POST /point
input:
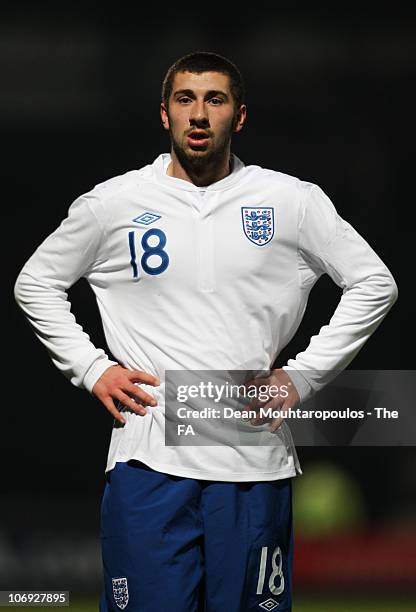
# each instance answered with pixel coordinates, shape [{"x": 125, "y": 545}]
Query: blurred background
[{"x": 330, "y": 100}]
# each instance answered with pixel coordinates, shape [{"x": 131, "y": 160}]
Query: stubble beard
[{"x": 197, "y": 162}]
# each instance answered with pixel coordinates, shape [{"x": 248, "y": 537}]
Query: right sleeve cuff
[
  {"x": 96, "y": 370},
  {"x": 302, "y": 386}
]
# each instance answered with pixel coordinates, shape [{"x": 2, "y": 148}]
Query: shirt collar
[{"x": 162, "y": 162}]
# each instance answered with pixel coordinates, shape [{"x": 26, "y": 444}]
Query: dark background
[{"x": 330, "y": 100}]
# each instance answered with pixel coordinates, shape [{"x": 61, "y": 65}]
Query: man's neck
[{"x": 200, "y": 179}]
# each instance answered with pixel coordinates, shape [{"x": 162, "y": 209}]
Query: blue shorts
[{"x": 176, "y": 544}]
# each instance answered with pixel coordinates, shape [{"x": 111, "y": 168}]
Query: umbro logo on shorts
[{"x": 269, "y": 604}]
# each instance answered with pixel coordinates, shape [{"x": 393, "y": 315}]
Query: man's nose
[{"x": 198, "y": 115}]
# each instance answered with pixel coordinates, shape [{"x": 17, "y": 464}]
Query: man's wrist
[{"x": 301, "y": 385}]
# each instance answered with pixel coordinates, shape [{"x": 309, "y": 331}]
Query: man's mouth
[{"x": 198, "y": 138}]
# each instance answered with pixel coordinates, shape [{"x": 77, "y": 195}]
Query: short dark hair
[{"x": 205, "y": 61}]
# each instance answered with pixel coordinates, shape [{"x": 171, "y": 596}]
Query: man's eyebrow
[{"x": 209, "y": 94}]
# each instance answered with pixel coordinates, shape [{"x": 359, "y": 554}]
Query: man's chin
[
  {"x": 196, "y": 149},
  {"x": 196, "y": 157}
]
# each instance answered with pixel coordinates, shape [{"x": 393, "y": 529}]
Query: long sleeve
[
  {"x": 40, "y": 291},
  {"x": 328, "y": 244}
]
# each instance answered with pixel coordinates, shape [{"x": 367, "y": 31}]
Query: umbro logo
[
  {"x": 269, "y": 604},
  {"x": 146, "y": 218}
]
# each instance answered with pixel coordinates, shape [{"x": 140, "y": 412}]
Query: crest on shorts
[
  {"x": 120, "y": 592},
  {"x": 258, "y": 223}
]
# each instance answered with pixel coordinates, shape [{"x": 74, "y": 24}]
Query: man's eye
[
  {"x": 184, "y": 100},
  {"x": 216, "y": 101}
]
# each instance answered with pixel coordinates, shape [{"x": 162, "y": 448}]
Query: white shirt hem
[{"x": 206, "y": 475}]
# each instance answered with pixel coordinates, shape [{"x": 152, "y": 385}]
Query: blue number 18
[{"x": 149, "y": 250}]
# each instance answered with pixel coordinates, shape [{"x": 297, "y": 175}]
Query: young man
[{"x": 199, "y": 262}]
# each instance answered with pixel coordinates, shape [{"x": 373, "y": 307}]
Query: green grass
[
  {"x": 300, "y": 605},
  {"x": 364, "y": 605}
]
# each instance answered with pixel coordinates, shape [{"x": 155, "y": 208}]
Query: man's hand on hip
[
  {"x": 281, "y": 395},
  {"x": 117, "y": 383}
]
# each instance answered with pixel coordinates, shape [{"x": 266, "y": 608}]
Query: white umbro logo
[{"x": 269, "y": 604}]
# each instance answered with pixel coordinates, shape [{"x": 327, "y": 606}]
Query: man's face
[{"x": 201, "y": 117}]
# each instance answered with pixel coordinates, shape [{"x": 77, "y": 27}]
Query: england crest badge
[
  {"x": 258, "y": 223},
  {"x": 120, "y": 592}
]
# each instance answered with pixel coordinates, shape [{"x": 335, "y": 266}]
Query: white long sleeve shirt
[{"x": 213, "y": 278}]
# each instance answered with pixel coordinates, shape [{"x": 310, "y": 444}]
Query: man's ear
[
  {"x": 240, "y": 118},
  {"x": 164, "y": 116}
]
